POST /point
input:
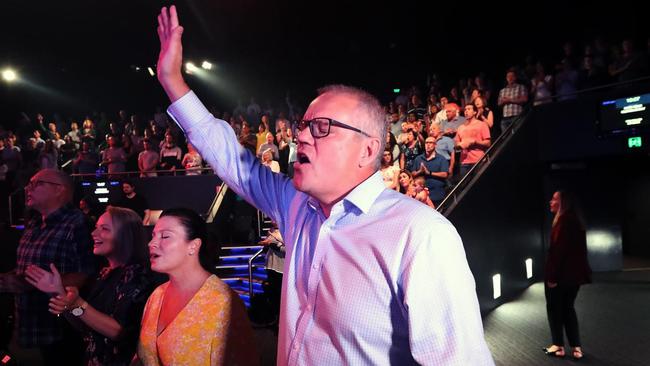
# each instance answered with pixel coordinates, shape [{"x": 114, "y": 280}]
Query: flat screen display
[{"x": 625, "y": 115}]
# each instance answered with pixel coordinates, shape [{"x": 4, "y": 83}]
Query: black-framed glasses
[
  {"x": 320, "y": 127},
  {"x": 37, "y": 183}
]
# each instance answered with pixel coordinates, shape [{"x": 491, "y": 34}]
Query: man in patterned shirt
[
  {"x": 512, "y": 99},
  {"x": 57, "y": 234}
]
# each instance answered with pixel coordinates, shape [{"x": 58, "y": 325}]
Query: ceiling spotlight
[
  {"x": 206, "y": 65},
  {"x": 9, "y": 75},
  {"x": 151, "y": 71}
]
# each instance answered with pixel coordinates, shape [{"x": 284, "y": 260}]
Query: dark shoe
[{"x": 557, "y": 353}]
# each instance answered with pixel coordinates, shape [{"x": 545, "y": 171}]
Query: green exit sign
[
  {"x": 633, "y": 142},
  {"x": 396, "y": 90}
]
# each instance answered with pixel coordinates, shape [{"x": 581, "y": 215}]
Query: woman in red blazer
[{"x": 566, "y": 269}]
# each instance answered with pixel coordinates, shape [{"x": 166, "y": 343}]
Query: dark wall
[
  {"x": 195, "y": 192},
  {"x": 500, "y": 220},
  {"x": 611, "y": 180}
]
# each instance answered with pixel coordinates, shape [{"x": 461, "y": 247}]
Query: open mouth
[
  {"x": 98, "y": 243},
  {"x": 303, "y": 159},
  {"x": 153, "y": 256}
]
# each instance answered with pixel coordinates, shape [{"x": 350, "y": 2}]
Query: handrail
[
  {"x": 250, "y": 270},
  {"x": 492, "y": 151},
  {"x": 216, "y": 203},
  {"x": 134, "y": 172},
  {"x": 595, "y": 88},
  {"x": 64, "y": 165}
]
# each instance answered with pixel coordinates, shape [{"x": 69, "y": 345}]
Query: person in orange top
[{"x": 194, "y": 318}]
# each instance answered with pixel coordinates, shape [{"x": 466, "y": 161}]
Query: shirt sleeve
[
  {"x": 440, "y": 302},
  {"x": 216, "y": 142}
]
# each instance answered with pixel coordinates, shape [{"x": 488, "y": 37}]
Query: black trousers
[{"x": 562, "y": 313}]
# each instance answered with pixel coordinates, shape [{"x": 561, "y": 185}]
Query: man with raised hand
[{"x": 371, "y": 277}]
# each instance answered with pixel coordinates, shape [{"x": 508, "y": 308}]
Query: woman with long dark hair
[
  {"x": 109, "y": 316},
  {"x": 566, "y": 270}
]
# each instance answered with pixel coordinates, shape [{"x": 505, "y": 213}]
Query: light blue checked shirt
[{"x": 382, "y": 281}]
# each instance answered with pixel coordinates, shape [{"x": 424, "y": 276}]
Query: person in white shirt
[{"x": 371, "y": 277}]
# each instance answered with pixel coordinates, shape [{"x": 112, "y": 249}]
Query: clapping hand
[
  {"x": 65, "y": 301},
  {"x": 48, "y": 282},
  {"x": 423, "y": 168}
]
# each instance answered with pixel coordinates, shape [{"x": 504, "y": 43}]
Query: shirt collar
[{"x": 362, "y": 196}]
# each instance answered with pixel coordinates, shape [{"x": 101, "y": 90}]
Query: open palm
[
  {"x": 170, "y": 59},
  {"x": 48, "y": 282}
]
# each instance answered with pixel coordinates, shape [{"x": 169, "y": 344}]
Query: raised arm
[
  {"x": 213, "y": 138},
  {"x": 170, "y": 60}
]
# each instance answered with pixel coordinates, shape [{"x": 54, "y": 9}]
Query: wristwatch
[{"x": 79, "y": 310}]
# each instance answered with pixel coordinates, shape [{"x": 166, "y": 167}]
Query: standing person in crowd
[
  {"x": 110, "y": 314},
  {"x": 56, "y": 235},
  {"x": 453, "y": 120},
  {"x": 86, "y": 160},
  {"x": 269, "y": 144},
  {"x": 283, "y": 139},
  {"x": 435, "y": 170},
  {"x": 88, "y": 132},
  {"x": 444, "y": 146},
  {"x": 48, "y": 157},
  {"x": 566, "y": 269},
  {"x": 75, "y": 134},
  {"x": 389, "y": 171},
  {"x": 364, "y": 264},
  {"x": 170, "y": 154},
  {"x": 148, "y": 160},
  {"x": 192, "y": 161},
  {"x": 483, "y": 112},
  {"x": 511, "y": 99},
  {"x": 274, "y": 266},
  {"x": 194, "y": 318},
  {"x": 114, "y": 157},
  {"x": 247, "y": 139},
  {"x": 410, "y": 150},
  {"x": 12, "y": 158},
  {"x": 473, "y": 137},
  {"x": 260, "y": 135},
  {"x": 292, "y": 156}
]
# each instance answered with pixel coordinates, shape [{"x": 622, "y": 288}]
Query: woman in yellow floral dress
[{"x": 194, "y": 318}]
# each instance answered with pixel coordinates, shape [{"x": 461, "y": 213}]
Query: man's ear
[{"x": 370, "y": 150}]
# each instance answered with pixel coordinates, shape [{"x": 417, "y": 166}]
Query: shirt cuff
[{"x": 186, "y": 110}]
